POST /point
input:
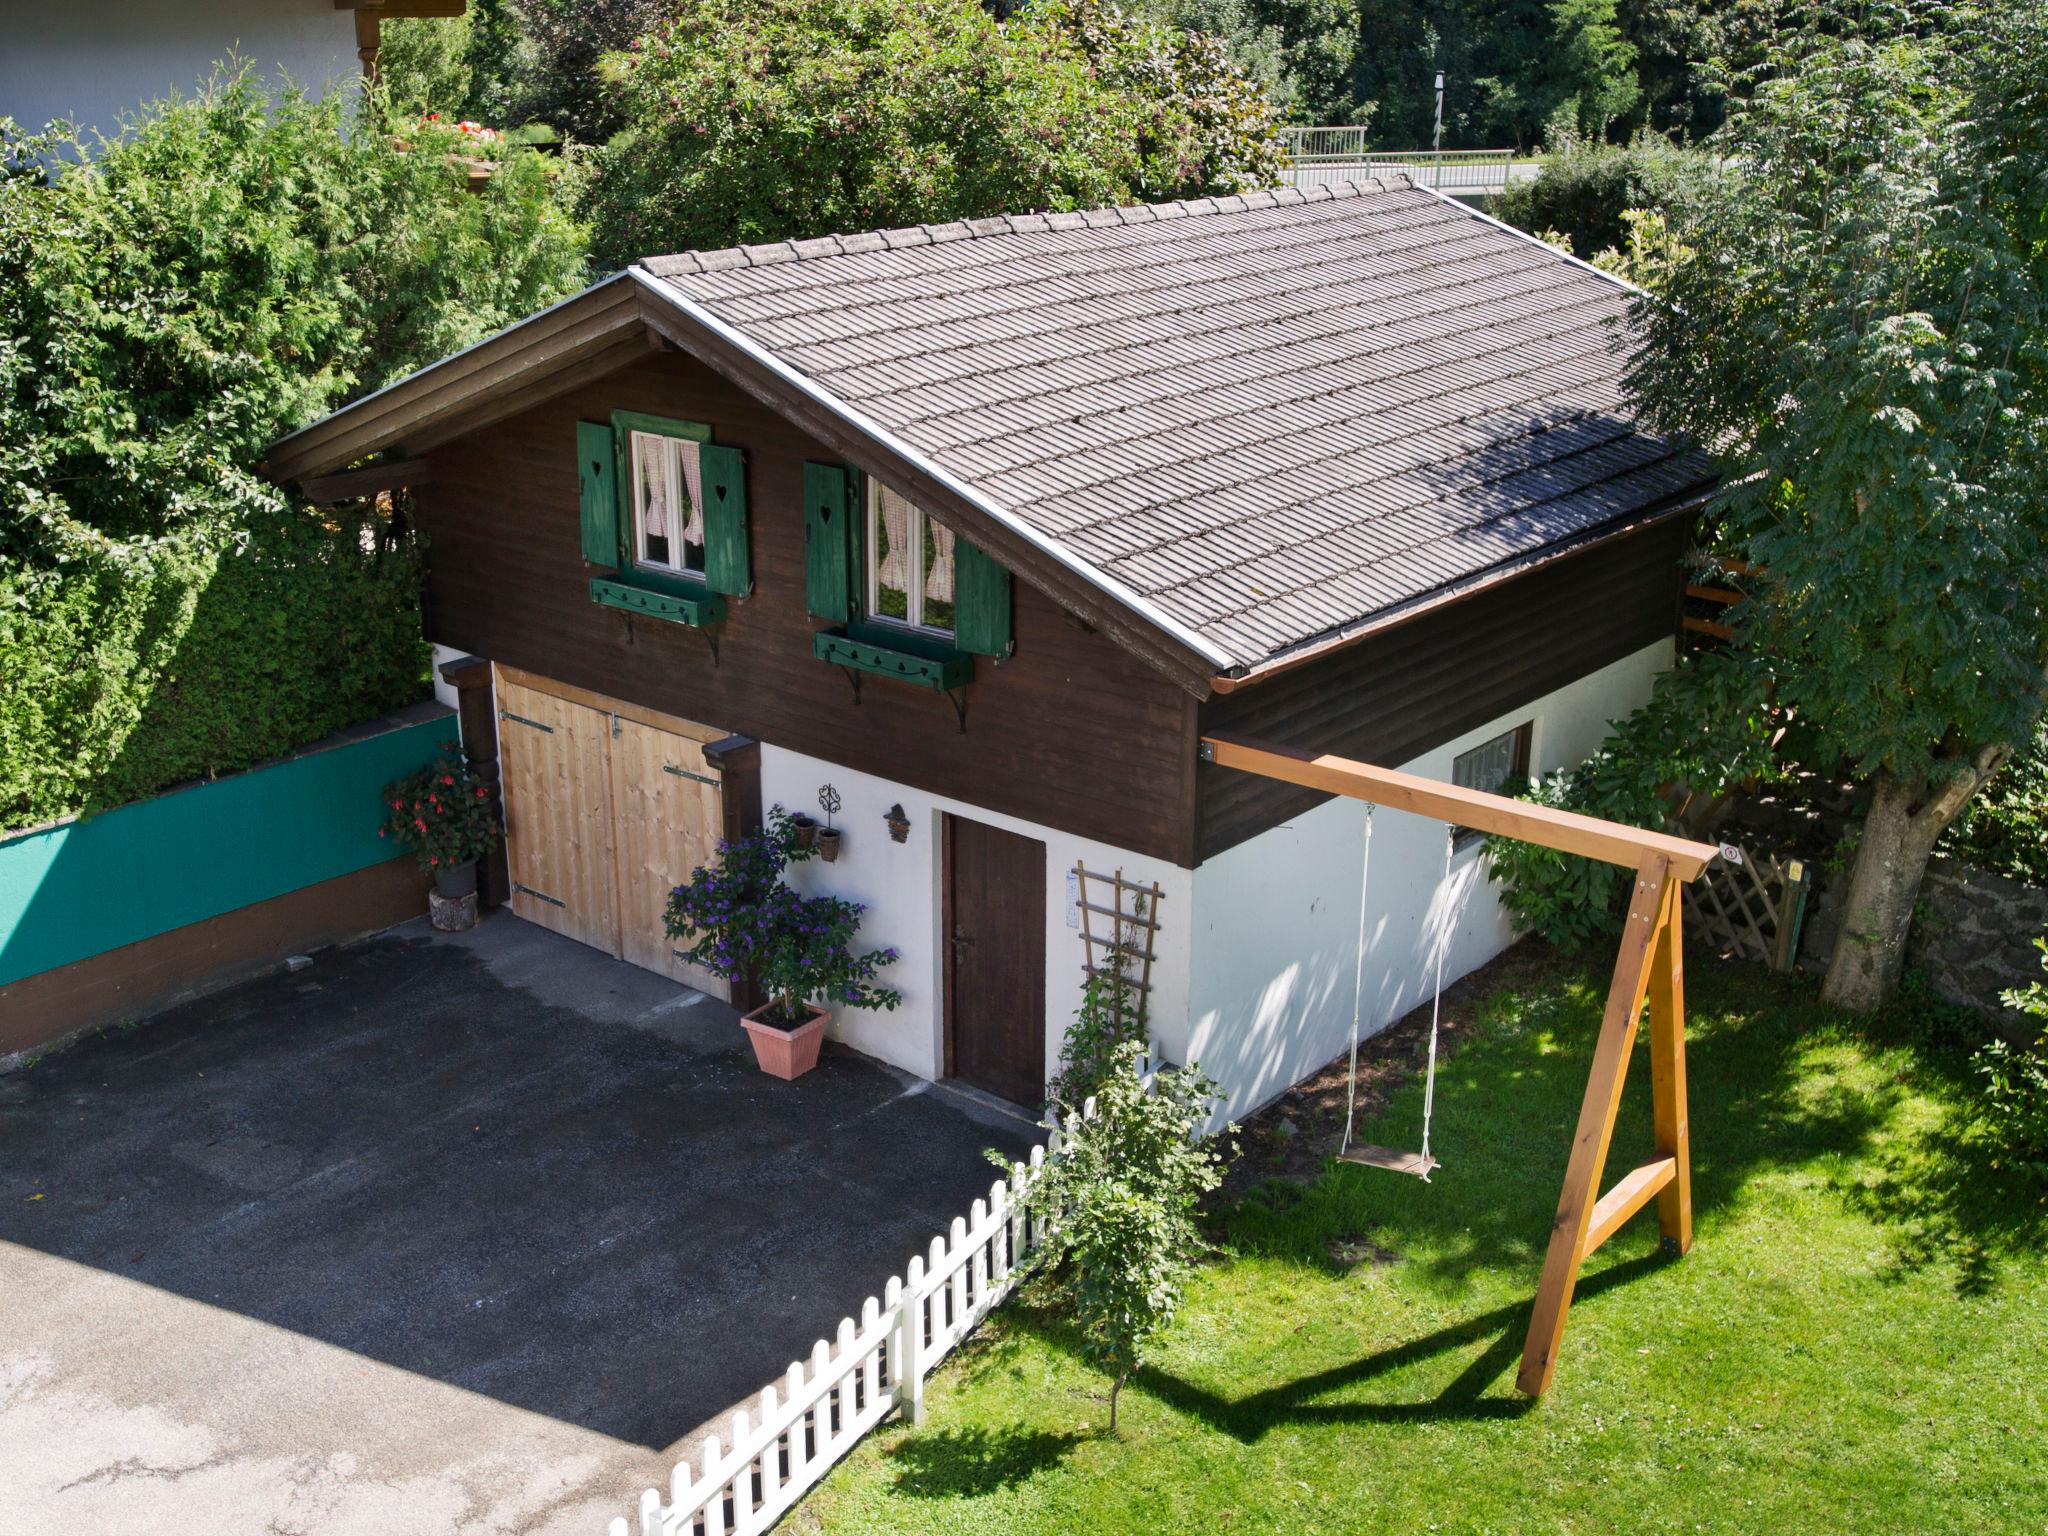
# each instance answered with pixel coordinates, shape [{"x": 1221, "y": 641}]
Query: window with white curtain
[{"x": 909, "y": 564}]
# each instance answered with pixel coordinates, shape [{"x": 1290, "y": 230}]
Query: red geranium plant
[{"x": 444, "y": 813}]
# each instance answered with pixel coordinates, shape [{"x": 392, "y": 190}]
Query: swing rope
[
  {"x": 1425, "y": 1162},
  {"x": 1436, "y": 1007},
  {"x": 1358, "y": 981}
]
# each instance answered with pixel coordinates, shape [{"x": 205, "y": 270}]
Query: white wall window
[
  {"x": 909, "y": 564},
  {"x": 668, "y": 493},
  {"x": 1492, "y": 766}
]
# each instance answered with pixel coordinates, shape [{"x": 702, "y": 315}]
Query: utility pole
[{"x": 1436, "y": 141}]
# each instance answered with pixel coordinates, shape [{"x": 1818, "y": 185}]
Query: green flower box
[
  {"x": 905, "y": 658},
  {"x": 695, "y": 608}
]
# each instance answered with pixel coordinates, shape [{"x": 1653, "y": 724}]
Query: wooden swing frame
[{"x": 1649, "y": 968}]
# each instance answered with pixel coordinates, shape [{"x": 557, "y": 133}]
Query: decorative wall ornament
[
  {"x": 828, "y": 835},
  {"x": 898, "y": 823}
]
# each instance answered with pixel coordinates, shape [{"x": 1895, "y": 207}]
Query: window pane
[
  {"x": 652, "y": 497},
  {"x": 938, "y": 575},
  {"x": 889, "y": 542},
  {"x": 689, "y": 484},
  {"x": 1488, "y": 766}
]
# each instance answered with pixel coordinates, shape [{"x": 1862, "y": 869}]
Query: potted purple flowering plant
[{"x": 741, "y": 920}]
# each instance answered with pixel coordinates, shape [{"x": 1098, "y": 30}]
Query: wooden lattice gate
[{"x": 1750, "y": 906}]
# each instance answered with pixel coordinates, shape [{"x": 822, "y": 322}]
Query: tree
[
  {"x": 1856, "y": 332},
  {"x": 1587, "y": 191},
  {"x": 1120, "y": 1201},
  {"x": 753, "y": 120},
  {"x": 229, "y": 267},
  {"x": 1593, "y": 63}
]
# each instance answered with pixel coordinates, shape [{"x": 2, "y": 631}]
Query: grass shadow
[
  {"x": 1506, "y": 1108},
  {"x": 1463, "y": 1399},
  {"x": 970, "y": 1462}
]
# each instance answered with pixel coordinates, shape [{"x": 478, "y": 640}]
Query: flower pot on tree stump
[
  {"x": 785, "y": 1053},
  {"x": 452, "y": 914}
]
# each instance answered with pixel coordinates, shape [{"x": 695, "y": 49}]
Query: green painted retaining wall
[{"x": 81, "y": 888}]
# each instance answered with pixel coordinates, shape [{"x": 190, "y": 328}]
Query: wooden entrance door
[
  {"x": 608, "y": 808},
  {"x": 558, "y": 818},
  {"x": 995, "y": 960},
  {"x": 666, "y": 815}
]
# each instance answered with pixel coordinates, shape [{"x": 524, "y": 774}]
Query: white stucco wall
[
  {"x": 902, "y": 884},
  {"x": 96, "y": 60},
  {"x": 1276, "y": 918}
]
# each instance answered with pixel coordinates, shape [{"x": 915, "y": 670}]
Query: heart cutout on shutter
[
  {"x": 718, "y": 486},
  {"x": 824, "y": 513}
]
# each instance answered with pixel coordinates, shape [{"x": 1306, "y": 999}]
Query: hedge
[{"x": 203, "y": 653}]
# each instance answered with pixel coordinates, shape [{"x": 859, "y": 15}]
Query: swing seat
[{"x": 1420, "y": 1164}]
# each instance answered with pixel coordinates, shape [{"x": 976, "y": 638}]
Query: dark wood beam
[{"x": 371, "y": 480}]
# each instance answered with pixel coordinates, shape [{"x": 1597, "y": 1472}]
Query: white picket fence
[{"x": 821, "y": 1408}]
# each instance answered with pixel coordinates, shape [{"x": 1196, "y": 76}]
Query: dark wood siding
[
  {"x": 1071, "y": 731},
  {"x": 1397, "y": 694}
]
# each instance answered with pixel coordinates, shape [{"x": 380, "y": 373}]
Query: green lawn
[{"x": 1858, "y": 1341}]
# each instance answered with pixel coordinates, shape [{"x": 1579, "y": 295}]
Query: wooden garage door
[
  {"x": 605, "y": 813},
  {"x": 666, "y": 819},
  {"x": 552, "y": 756}
]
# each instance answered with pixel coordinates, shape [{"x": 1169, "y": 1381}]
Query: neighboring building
[
  {"x": 1346, "y": 468},
  {"x": 96, "y": 61}
]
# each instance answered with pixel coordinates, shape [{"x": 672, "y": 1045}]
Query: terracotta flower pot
[
  {"x": 828, "y": 844},
  {"x": 806, "y": 831},
  {"x": 785, "y": 1053}
]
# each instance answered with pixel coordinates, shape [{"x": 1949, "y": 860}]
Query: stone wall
[{"x": 1973, "y": 936}]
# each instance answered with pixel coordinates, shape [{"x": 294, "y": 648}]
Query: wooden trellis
[
  {"x": 1133, "y": 923},
  {"x": 1750, "y": 906}
]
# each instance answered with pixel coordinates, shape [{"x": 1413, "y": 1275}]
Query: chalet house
[{"x": 983, "y": 525}]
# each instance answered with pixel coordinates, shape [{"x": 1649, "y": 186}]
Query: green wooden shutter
[
  {"x": 726, "y": 567},
  {"x": 981, "y": 602},
  {"x": 598, "y": 493},
  {"x": 829, "y": 547}
]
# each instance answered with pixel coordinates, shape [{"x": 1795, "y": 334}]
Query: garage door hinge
[
  {"x": 684, "y": 773},
  {"x": 527, "y": 890},
  {"x": 506, "y": 714}
]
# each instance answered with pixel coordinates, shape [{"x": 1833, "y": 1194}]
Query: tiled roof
[{"x": 1270, "y": 415}]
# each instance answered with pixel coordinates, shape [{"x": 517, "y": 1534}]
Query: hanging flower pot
[
  {"x": 828, "y": 844},
  {"x": 804, "y": 829}
]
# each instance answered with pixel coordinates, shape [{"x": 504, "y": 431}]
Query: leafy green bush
[
  {"x": 2015, "y": 1080},
  {"x": 127, "y": 667},
  {"x": 1120, "y": 1202},
  {"x": 757, "y": 120},
  {"x": 1586, "y": 189},
  {"x": 1706, "y": 730},
  {"x": 1112, "y": 1012},
  {"x": 2005, "y": 827},
  {"x": 224, "y": 270}
]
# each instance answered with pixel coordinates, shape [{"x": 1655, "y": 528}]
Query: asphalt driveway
[{"x": 437, "y": 1235}]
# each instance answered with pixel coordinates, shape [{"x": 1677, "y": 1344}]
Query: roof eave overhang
[
  {"x": 1683, "y": 504},
  {"x": 580, "y": 337}
]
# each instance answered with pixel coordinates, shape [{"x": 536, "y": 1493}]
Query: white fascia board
[
  {"x": 1523, "y": 234},
  {"x": 1129, "y": 598}
]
